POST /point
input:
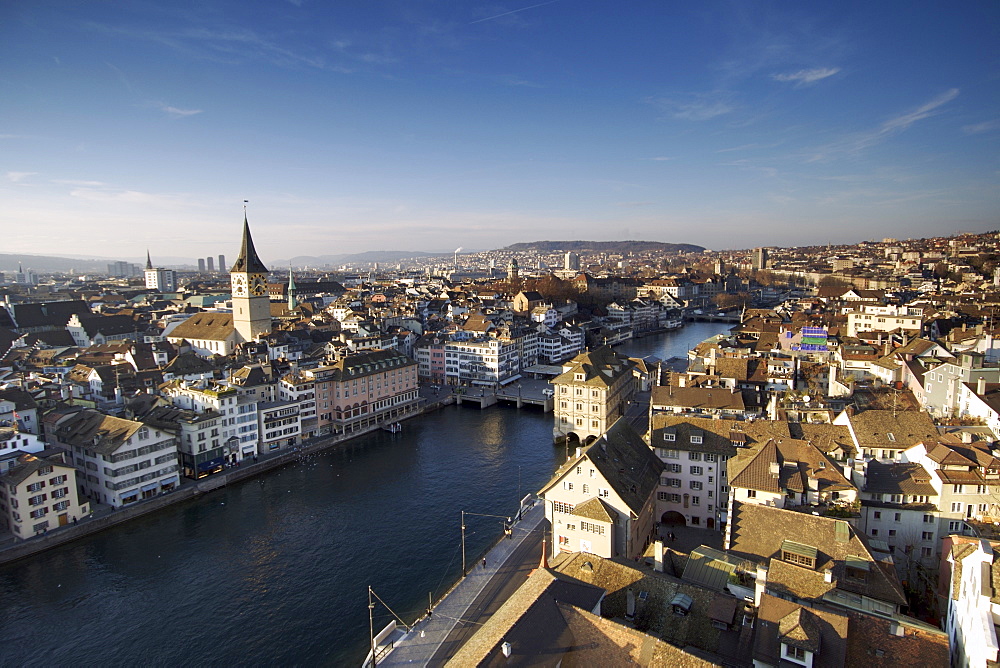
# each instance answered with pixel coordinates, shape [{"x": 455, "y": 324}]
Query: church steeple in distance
[
  {"x": 248, "y": 261},
  {"x": 292, "y": 302},
  {"x": 149, "y": 261}
]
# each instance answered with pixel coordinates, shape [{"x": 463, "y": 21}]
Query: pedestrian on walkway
[{"x": 484, "y": 562}]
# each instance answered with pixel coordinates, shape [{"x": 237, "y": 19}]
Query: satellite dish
[{"x": 806, "y": 397}]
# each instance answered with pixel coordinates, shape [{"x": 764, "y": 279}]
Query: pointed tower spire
[
  {"x": 248, "y": 261},
  {"x": 292, "y": 303},
  {"x": 149, "y": 261}
]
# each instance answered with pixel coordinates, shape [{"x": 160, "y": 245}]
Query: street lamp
[{"x": 502, "y": 517}]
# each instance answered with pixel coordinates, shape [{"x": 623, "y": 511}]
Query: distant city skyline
[{"x": 428, "y": 126}]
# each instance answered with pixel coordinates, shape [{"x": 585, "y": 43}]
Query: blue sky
[{"x": 408, "y": 125}]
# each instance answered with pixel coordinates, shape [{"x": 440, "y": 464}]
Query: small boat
[{"x": 393, "y": 428}]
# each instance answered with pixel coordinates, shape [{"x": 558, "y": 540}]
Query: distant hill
[
  {"x": 43, "y": 264},
  {"x": 604, "y": 247}
]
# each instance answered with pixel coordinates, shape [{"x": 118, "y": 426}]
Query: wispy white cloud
[
  {"x": 518, "y": 81},
  {"x": 76, "y": 182},
  {"x": 695, "y": 106},
  {"x": 111, "y": 195},
  {"x": 229, "y": 45},
  {"x": 662, "y": 158},
  {"x": 513, "y": 11},
  {"x": 889, "y": 128},
  {"x": 18, "y": 177},
  {"x": 803, "y": 77},
  {"x": 986, "y": 126},
  {"x": 904, "y": 121},
  {"x": 175, "y": 112},
  {"x": 747, "y": 147}
]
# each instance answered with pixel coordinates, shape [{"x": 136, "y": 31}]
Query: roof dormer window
[{"x": 798, "y": 553}]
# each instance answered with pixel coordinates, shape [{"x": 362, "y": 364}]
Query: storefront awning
[
  {"x": 211, "y": 464},
  {"x": 150, "y": 487}
]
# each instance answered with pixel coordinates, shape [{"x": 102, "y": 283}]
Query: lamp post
[
  {"x": 502, "y": 517},
  {"x": 371, "y": 625}
]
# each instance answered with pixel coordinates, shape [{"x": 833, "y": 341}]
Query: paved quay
[{"x": 423, "y": 644}]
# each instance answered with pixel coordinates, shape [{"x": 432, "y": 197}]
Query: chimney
[
  {"x": 966, "y": 437},
  {"x": 506, "y": 648},
  {"x": 658, "y": 556},
  {"x": 544, "y": 563},
  {"x": 981, "y": 386}
]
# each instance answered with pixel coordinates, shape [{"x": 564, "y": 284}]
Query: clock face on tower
[
  {"x": 239, "y": 285},
  {"x": 258, "y": 286}
]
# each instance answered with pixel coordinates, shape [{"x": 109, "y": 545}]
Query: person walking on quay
[{"x": 484, "y": 562}]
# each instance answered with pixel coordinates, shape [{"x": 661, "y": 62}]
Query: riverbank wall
[{"x": 191, "y": 489}]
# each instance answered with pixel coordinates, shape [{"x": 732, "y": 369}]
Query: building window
[
  {"x": 928, "y": 518},
  {"x": 926, "y": 552},
  {"x": 695, "y": 484},
  {"x": 927, "y": 535},
  {"x": 560, "y": 507},
  {"x": 696, "y": 470},
  {"x": 669, "y": 436},
  {"x": 694, "y": 456},
  {"x": 695, "y": 500},
  {"x": 751, "y": 494},
  {"x": 671, "y": 454},
  {"x": 795, "y": 653},
  {"x": 675, "y": 468},
  {"x": 800, "y": 559},
  {"x": 709, "y": 457},
  {"x": 696, "y": 439},
  {"x": 877, "y": 514}
]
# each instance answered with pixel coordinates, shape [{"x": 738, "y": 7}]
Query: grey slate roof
[
  {"x": 99, "y": 433},
  {"x": 248, "y": 261}
]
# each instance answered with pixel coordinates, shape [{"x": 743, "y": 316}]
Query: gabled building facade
[{"x": 602, "y": 500}]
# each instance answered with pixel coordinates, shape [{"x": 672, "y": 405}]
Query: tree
[{"x": 726, "y": 301}]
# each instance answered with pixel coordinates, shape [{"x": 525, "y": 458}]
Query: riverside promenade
[{"x": 433, "y": 639}]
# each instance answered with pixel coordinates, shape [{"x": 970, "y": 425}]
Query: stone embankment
[{"x": 107, "y": 518}]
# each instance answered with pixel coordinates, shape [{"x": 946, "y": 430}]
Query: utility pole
[{"x": 463, "y": 543}]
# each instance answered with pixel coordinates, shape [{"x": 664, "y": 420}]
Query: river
[{"x": 275, "y": 570}]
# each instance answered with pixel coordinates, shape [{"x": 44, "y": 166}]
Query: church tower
[
  {"x": 513, "y": 273},
  {"x": 248, "y": 279},
  {"x": 292, "y": 302}
]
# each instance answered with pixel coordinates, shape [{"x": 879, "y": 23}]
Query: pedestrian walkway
[{"x": 418, "y": 646}]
